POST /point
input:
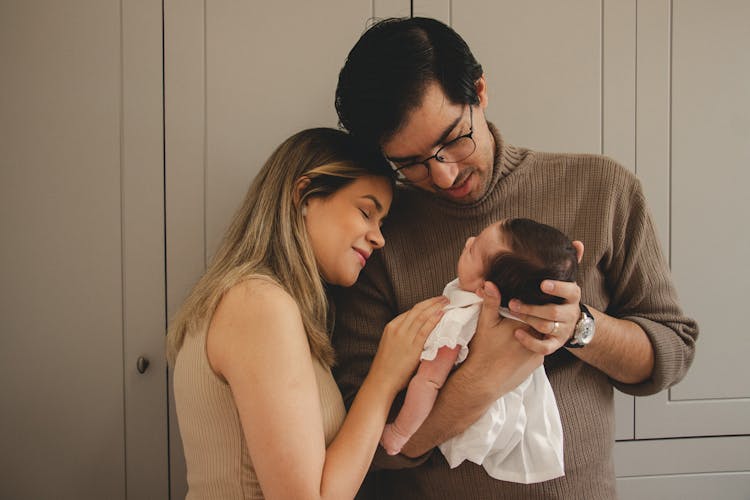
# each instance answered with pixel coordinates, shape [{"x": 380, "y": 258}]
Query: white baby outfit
[{"x": 519, "y": 438}]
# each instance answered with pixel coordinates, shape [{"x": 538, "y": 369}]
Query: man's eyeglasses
[{"x": 454, "y": 151}]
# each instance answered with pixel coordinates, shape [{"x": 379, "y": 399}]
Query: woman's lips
[{"x": 363, "y": 256}]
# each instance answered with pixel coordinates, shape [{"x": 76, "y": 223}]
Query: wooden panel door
[
  {"x": 81, "y": 212},
  {"x": 703, "y": 110}
]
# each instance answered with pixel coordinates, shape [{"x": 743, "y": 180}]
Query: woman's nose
[{"x": 376, "y": 238}]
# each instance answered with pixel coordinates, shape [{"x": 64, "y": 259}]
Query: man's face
[{"x": 436, "y": 122}]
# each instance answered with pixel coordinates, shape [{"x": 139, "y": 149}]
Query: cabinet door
[
  {"x": 82, "y": 260},
  {"x": 696, "y": 153},
  {"x": 546, "y": 65},
  {"x": 240, "y": 78}
]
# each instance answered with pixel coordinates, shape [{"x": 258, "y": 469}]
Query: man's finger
[
  {"x": 568, "y": 290},
  {"x": 544, "y": 346}
]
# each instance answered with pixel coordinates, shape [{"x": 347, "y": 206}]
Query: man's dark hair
[
  {"x": 387, "y": 71},
  {"x": 538, "y": 252}
]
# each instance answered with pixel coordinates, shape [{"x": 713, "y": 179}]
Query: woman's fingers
[
  {"x": 429, "y": 320},
  {"x": 403, "y": 340},
  {"x": 422, "y": 313}
]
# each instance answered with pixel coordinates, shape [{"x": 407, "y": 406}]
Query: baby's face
[{"x": 477, "y": 255}]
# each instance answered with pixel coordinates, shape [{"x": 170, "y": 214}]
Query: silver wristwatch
[{"x": 584, "y": 330}]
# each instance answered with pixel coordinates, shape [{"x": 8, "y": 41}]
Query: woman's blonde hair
[{"x": 267, "y": 235}]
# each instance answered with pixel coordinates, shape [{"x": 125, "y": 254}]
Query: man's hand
[
  {"x": 555, "y": 322},
  {"x": 495, "y": 349}
]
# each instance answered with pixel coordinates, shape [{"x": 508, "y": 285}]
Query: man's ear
[
  {"x": 299, "y": 188},
  {"x": 481, "y": 86},
  {"x": 578, "y": 245}
]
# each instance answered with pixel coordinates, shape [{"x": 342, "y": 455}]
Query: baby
[{"x": 519, "y": 438}]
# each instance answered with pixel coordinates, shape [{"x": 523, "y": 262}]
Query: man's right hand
[{"x": 497, "y": 361}]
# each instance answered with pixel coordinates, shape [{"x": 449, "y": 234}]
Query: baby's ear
[{"x": 578, "y": 245}]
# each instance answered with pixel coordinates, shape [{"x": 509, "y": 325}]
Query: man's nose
[{"x": 443, "y": 174}]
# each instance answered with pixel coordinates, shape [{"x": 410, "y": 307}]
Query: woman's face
[
  {"x": 344, "y": 227},
  {"x": 477, "y": 255}
]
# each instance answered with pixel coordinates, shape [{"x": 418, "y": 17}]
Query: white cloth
[{"x": 519, "y": 438}]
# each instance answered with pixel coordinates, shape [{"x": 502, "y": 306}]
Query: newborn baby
[{"x": 519, "y": 438}]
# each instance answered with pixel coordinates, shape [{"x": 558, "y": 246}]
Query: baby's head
[{"x": 517, "y": 255}]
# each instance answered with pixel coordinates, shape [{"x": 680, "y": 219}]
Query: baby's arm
[{"x": 420, "y": 397}]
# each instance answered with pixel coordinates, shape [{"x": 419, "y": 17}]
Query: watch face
[{"x": 584, "y": 330}]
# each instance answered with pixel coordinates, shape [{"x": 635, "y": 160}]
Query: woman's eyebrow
[{"x": 378, "y": 205}]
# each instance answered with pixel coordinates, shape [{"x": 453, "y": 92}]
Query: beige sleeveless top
[{"x": 218, "y": 462}]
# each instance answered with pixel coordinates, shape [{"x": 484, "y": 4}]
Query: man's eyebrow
[
  {"x": 378, "y": 205},
  {"x": 437, "y": 143}
]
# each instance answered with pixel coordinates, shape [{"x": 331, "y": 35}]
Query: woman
[{"x": 259, "y": 412}]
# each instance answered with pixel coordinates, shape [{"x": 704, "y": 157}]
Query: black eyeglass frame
[{"x": 470, "y": 135}]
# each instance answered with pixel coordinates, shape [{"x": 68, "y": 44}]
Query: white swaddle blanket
[{"x": 519, "y": 438}]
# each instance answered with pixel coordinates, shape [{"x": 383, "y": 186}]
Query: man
[{"x": 412, "y": 88}]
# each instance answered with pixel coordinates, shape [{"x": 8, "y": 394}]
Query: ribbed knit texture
[
  {"x": 218, "y": 461},
  {"x": 589, "y": 198}
]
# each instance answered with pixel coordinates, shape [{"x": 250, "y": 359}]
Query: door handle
[{"x": 142, "y": 364}]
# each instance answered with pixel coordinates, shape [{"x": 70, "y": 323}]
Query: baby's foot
[{"x": 392, "y": 440}]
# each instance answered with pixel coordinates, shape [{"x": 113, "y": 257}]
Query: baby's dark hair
[{"x": 538, "y": 252}]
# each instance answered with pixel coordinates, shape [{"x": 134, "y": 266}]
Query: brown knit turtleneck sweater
[{"x": 588, "y": 197}]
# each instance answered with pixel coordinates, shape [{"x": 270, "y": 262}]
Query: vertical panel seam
[
  {"x": 122, "y": 249},
  {"x": 635, "y": 98},
  {"x": 635, "y": 163},
  {"x": 670, "y": 40},
  {"x": 205, "y": 134},
  {"x": 164, "y": 209},
  {"x": 669, "y": 127},
  {"x": 601, "y": 78}
]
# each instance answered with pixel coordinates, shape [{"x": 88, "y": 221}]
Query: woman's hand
[{"x": 402, "y": 342}]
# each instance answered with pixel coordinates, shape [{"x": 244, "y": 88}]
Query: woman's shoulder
[
  {"x": 254, "y": 301},
  {"x": 253, "y": 316},
  {"x": 258, "y": 288}
]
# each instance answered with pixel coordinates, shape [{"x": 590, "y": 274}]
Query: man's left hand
[{"x": 555, "y": 322}]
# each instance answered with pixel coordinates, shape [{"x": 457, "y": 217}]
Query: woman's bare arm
[{"x": 257, "y": 343}]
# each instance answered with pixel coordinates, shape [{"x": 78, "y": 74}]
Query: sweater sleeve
[
  {"x": 642, "y": 292},
  {"x": 362, "y": 313}
]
